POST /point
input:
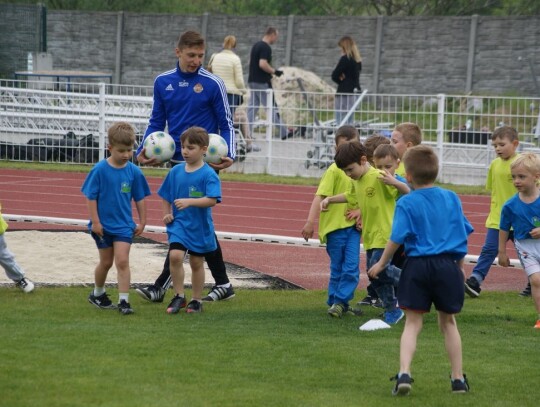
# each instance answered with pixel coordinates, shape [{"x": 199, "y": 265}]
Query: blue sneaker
[{"x": 394, "y": 316}]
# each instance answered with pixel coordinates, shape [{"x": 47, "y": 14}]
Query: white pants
[{"x": 528, "y": 251}]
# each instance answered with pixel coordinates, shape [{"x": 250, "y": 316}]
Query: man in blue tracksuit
[{"x": 189, "y": 96}]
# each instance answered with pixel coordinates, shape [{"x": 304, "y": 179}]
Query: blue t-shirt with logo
[
  {"x": 522, "y": 217},
  {"x": 193, "y": 227},
  {"x": 114, "y": 189}
]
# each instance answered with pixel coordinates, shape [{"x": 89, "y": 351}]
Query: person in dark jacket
[{"x": 347, "y": 76}]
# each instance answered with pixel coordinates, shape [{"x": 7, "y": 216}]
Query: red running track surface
[{"x": 249, "y": 208}]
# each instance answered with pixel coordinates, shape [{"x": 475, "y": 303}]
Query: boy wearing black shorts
[{"x": 431, "y": 225}]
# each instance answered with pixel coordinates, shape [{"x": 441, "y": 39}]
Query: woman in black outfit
[{"x": 347, "y": 76}]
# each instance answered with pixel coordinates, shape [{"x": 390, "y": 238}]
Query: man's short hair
[
  {"x": 421, "y": 164},
  {"x": 190, "y": 39}
]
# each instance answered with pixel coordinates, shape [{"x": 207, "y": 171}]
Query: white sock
[
  {"x": 123, "y": 296},
  {"x": 99, "y": 291},
  {"x": 225, "y": 285}
]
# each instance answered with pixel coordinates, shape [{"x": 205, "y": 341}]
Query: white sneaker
[{"x": 26, "y": 285}]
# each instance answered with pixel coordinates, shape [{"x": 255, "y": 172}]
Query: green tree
[{"x": 303, "y": 7}]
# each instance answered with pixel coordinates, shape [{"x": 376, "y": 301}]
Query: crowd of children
[{"x": 381, "y": 192}]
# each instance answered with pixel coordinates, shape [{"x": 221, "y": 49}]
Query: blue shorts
[
  {"x": 430, "y": 280},
  {"x": 107, "y": 240},
  {"x": 180, "y": 246}
]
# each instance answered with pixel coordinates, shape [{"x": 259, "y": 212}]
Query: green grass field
[{"x": 263, "y": 348}]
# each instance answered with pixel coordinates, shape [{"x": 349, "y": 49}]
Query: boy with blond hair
[
  {"x": 430, "y": 223},
  {"x": 376, "y": 201},
  {"x": 337, "y": 228},
  {"x": 405, "y": 136},
  {"x": 522, "y": 213}
]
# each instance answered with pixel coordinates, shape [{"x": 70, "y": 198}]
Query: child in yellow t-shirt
[
  {"x": 7, "y": 261},
  {"x": 337, "y": 228},
  {"x": 377, "y": 201},
  {"x": 404, "y": 136},
  {"x": 499, "y": 181}
]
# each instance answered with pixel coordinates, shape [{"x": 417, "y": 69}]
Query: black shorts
[
  {"x": 430, "y": 280},
  {"x": 180, "y": 246}
]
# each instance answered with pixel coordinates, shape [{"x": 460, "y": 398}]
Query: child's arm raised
[{"x": 389, "y": 179}]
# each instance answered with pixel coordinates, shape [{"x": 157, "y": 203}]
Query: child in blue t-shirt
[
  {"x": 431, "y": 225},
  {"x": 522, "y": 213},
  {"x": 109, "y": 189},
  {"x": 188, "y": 192}
]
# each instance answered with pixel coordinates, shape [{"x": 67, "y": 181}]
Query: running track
[{"x": 246, "y": 208}]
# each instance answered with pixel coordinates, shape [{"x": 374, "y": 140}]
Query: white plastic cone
[{"x": 373, "y": 325}]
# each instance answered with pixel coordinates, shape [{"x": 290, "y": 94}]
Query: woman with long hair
[{"x": 347, "y": 76}]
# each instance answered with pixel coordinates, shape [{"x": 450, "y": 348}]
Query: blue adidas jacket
[{"x": 183, "y": 100}]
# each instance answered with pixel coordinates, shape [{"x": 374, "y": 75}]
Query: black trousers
[{"x": 215, "y": 264}]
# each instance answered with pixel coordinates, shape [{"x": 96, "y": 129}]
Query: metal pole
[{"x": 101, "y": 125}]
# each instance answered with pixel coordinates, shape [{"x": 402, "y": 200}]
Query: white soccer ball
[
  {"x": 159, "y": 145},
  {"x": 217, "y": 148}
]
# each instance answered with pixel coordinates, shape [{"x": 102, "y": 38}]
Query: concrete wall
[{"x": 423, "y": 55}]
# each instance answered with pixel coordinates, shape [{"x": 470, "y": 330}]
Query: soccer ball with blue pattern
[
  {"x": 159, "y": 145},
  {"x": 217, "y": 148}
]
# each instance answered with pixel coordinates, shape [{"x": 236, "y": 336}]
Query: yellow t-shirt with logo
[
  {"x": 499, "y": 182},
  {"x": 3, "y": 223},
  {"x": 377, "y": 202},
  {"x": 334, "y": 182}
]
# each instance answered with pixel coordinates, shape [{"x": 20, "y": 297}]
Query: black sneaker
[
  {"x": 460, "y": 386},
  {"x": 102, "y": 301},
  {"x": 526, "y": 291},
  {"x": 376, "y": 303},
  {"x": 176, "y": 304},
  {"x": 125, "y": 308},
  {"x": 403, "y": 384},
  {"x": 151, "y": 293},
  {"x": 219, "y": 293},
  {"x": 194, "y": 306},
  {"x": 367, "y": 300},
  {"x": 472, "y": 287}
]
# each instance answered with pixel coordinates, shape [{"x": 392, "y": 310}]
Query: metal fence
[{"x": 60, "y": 122}]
